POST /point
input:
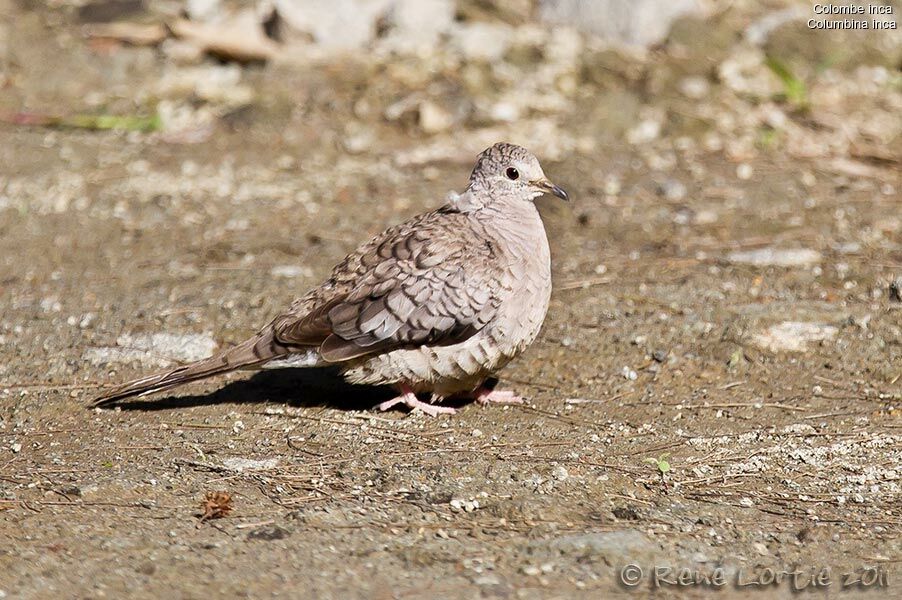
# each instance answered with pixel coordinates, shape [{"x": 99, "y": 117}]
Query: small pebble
[
  {"x": 744, "y": 171},
  {"x": 672, "y": 190}
]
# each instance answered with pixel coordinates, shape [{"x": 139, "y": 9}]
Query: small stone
[
  {"x": 612, "y": 185},
  {"x": 672, "y": 190},
  {"x": 487, "y": 579},
  {"x": 694, "y": 87},
  {"x": 629, "y": 374},
  {"x": 357, "y": 139},
  {"x": 241, "y": 465},
  {"x": 778, "y": 257},
  {"x": 434, "y": 118},
  {"x": 291, "y": 271},
  {"x": 712, "y": 142},
  {"x": 744, "y": 171},
  {"x": 760, "y": 548},
  {"x": 269, "y": 534},
  {"x": 746, "y": 502},
  {"x": 50, "y": 305},
  {"x": 203, "y": 10},
  {"x": 505, "y": 112},
  {"x": 895, "y": 290},
  {"x": 560, "y": 473},
  {"x": 646, "y": 131},
  {"x": 15, "y": 447}
]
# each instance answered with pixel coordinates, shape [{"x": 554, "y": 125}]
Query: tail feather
[{"x": 256, "y": 351}]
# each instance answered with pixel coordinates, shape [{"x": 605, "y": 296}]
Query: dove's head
[{"x": 509, "y": 171}]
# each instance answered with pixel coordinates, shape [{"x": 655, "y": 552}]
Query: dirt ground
[{"x": 717, "y": 384}]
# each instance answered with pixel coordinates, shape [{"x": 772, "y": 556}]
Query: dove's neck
[
  {"x": 511, "y": 211},
  {"x": 513, "y": 220},
  {"x": 516, "y": 225}
]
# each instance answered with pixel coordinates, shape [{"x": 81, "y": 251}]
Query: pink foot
[
  {"x": 409, "y": 399},
  {"x": 487, "y": 396}
]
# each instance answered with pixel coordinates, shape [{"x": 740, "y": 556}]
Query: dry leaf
[
  {"x": 216, "y": 505},
  {"x": 134, "y": 34},
  {"x": 239, "y": 37}
]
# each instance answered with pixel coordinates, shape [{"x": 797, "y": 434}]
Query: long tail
[{"x": 256, "y": 351}]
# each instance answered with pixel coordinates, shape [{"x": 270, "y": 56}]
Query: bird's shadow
[{"x": 302, "y": 387}]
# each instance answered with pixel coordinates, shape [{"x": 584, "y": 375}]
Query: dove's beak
[{"x": 547, "y": 186}]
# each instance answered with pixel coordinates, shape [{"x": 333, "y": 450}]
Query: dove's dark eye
[{"x": 512, "y": 174}]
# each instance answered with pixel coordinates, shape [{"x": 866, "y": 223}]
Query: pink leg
[
  {"x": 484, "y": 395},
  {"x": 409, "y": 399}
]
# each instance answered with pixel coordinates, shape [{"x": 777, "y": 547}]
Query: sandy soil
[{"x": 726, "y": 309}]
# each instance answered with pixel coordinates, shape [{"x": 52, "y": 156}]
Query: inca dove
[{"x": 435, "y": 304}]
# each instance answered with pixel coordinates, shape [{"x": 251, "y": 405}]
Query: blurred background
[
  {"x": 728, "y": 284},
  {"x": 413, "y": 82}
]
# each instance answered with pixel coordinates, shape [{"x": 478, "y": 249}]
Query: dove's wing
[{"x": 428, "y": 281}]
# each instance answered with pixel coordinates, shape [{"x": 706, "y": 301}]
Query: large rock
[
  {"x": 339, "y": 25},
  {"x": 636, "y": 23},
  {"x": 415, "y": 25},
  {"x": 334, "y": 24},
  {"x": 794, "y": 336},
  {"x": 776, "y": 257},
  {"x": 614, "y": 547}
]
